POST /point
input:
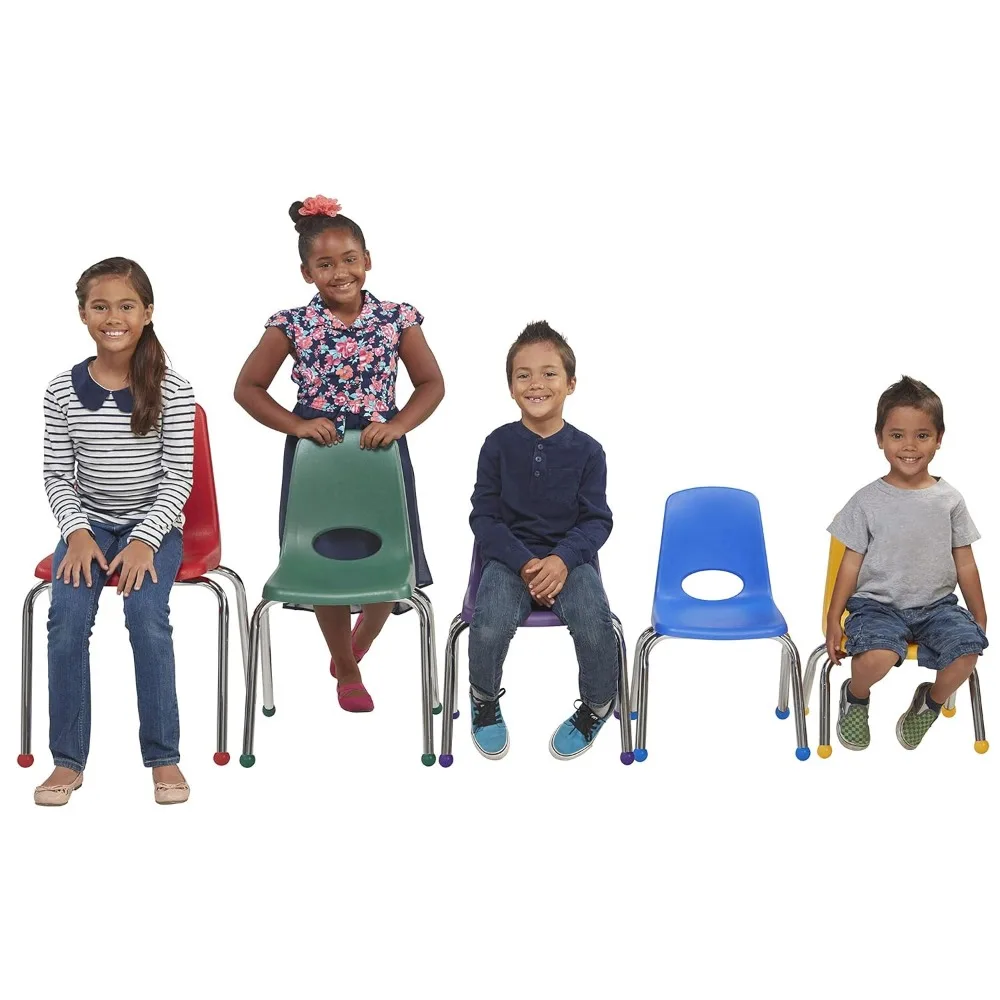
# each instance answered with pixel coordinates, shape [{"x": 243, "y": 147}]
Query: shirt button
[
  {"x": 537, "y": 473},
  {"x": 538, "y": 458},
  {"x": 540, "y": 447}
]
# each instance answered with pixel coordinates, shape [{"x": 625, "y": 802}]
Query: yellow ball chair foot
[
  {"x": 807, "y": 710},
  {"x": 981, "y": 746},
  {"x": 824, "y": 751},
  {"x": 949, "y": 713}
]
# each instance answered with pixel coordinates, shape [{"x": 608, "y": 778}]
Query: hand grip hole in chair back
[{"x": 712, "y": 585}]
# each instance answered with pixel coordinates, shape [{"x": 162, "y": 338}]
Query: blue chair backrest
[{"x": 711, "y": 528}]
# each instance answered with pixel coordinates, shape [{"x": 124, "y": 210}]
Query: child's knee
[{"x": 874, "y": 662}]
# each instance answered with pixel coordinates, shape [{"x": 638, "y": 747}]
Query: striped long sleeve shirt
[{"x": 96, "y": 468}]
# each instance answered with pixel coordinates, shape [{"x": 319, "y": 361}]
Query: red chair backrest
[{"x": 202, "y": 534}]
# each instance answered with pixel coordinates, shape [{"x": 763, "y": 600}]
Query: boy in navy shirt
[{"x": 539, "y": 514}]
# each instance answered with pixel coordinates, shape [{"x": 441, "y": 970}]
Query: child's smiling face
[
  {"x": 114, "y": 315},
  {"x": 909, "y": 440},
  {"x": 539, "y": 384},
  {"x": 337, "y": 266}
]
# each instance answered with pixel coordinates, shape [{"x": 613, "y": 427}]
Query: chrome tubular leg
[
  {"x": 264, "y": 655},
  {"x": 646, "y": 642},
  {"x": 975, "y": 695},
  {"x": 421, "y": 605},
  {"x": 795, "y": 670},
  {"x": 624, "y": 698},
  {"x": 782, "y": 710},
  {"x": 249, "y": 715},
  {"x": 825, "y": 748},
  {"x": 434, "y": 656},
  {"x": 25, "y": 759},
  {"x": 241, "y": 610},
  {"x": 457, "y": 627},
  {"x": 807, "y": 684},
  {"x": 948, "y": 708},
  {"x": 222, "y": 674}
]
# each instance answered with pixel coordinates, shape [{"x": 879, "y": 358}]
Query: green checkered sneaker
[
  {"x": 916, "y": 720},
  {"x": 852, "y": 723}
]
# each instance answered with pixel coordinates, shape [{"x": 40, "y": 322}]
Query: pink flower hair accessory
[{"x": 320, "y": 206}]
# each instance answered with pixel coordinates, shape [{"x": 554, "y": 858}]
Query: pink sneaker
[
  {"x": 354, "y": 698},
  {"x": 358, "y": 653}
]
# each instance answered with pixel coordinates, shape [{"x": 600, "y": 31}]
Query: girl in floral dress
[{"x": 346, "y": 345}]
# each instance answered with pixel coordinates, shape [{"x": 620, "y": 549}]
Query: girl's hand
[
  {"x": 834, "y": 640},
  {"x": 549, "y": 580},
  {"x": 133, "y": 563},
  {"x": 380, "y": 435},
  {"x": 320, "y": 430},
  {"x": 81, "y": 550}
]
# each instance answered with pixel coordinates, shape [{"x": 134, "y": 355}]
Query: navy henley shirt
[{"x": 538, "y": 496}]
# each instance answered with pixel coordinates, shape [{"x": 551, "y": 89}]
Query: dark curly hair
[{"x": 310, "y": 226}]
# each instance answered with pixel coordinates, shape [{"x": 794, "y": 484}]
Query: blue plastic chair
[
  {"x": 715, "y": 528},
  {"x": 537, "y": 618}
]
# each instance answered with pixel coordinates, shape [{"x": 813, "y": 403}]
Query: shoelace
[
  {"x": 487, "y": 713},
  {"x": 584, "y": 720}
]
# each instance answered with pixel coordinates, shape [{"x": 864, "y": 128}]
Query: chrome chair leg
[
  {"x": 264, "y": 655},
  {"x": 247, "y": 758},
  {"x": 422, "y": 605},
  {"x": 825, "y": 748},
  {"x": 646, "y": 642},
  {"x": 624, "y": 698},
  {"x": 798, "y": 701},
  {"x": 457, "y": 627},
  {"x": 241, "y": 610},
  {"x": 782, "y": 710},
  {"x": 221, "y": 755},
  {"x": 948, "y": 709},
  {"x": 981, "y": 744},
  {"x": 25, "y": 757},
  {"x": 807, "y": 682}
]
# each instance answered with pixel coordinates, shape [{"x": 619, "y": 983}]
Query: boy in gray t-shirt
[{"x": 909, "y": 541}]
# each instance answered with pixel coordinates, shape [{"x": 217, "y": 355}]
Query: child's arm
[
  {"x": 494, "y": 537},
  {"x": 59, "y": 470},
  {"x": 59, "y": 473},
  {"x": 255, "y": 379},
  {"x": 843, "y": 589},
  {"x": 972, "y": 587},
  {"x": 428, "y": 391}
]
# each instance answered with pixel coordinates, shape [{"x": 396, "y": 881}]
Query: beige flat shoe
[
  {"x": 56, "y": 795},
  {"x": 168, "y": 794}
]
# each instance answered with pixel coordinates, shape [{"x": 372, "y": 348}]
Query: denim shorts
[{"x": 943, "y": 631}]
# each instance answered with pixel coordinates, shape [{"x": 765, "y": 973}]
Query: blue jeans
[
  {"x": 943, "y": 631},
  {"x": 502, "y": 604},
  {"x": 147, "y": 617}
]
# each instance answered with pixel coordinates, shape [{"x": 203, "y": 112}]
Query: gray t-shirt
[{"x": 906, "y": 537}]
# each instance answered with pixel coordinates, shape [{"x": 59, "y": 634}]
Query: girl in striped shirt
[{"x": 119, "y": 454}]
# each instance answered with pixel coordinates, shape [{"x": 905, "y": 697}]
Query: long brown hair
[{"x": 149, "y": 362}]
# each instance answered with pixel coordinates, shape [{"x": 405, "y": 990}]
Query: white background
[{"x": 749, "y": 219}]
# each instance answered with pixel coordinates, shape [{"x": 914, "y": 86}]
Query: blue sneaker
[
  {"x": 577, "y": 733},
  {"x": 489, "y": 731}
]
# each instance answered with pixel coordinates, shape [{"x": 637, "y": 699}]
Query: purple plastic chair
[{"x": 537, "y": 618}]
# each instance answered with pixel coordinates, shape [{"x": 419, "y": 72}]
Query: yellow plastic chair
[{"x": 819, "y": 653}]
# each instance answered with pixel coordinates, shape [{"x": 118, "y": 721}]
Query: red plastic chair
[{"x": 202, "y": 557}]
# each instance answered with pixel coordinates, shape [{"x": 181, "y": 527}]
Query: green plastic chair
[{"x": 324, "y": 496}]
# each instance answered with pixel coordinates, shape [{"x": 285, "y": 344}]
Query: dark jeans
[
  {"x": 503, "y": 602},
  {"x": 147, "y": 616}
]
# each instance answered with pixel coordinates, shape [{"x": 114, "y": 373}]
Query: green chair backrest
[{"x": 344, "y": 487}]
